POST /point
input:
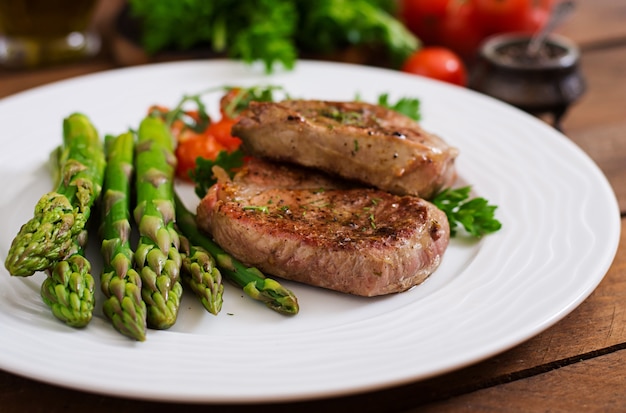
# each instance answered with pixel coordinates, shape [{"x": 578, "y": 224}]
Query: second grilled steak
[
  {"x": 356, "y": 140},
  {"x": 304, "y": 226}
]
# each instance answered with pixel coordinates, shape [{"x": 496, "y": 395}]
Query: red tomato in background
[
  {"x": 461, "y": 30},
  {"x": 461, "y": 25},
  {"x": 498, "y": 16},
  {"x": 545, "y": 4},
  {"x": 424, "y": 17},
  {"x": 535, "y": 19},
  {"x": 437, "y": 62}
]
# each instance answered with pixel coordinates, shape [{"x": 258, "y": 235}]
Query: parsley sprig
[
  {"x": 407, "y": 106},
  {"x": 475, "y": 215}
]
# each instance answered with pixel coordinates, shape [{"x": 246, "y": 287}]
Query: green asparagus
[
  {"x": 120, "y": 282},
  {"x": 201, "y": 275},
  {"x": 61, "y": 215},
  {"x": 69, "y": 289},
  {"x": 253, "y": 281},
  {"x": 157, "y": 254}
]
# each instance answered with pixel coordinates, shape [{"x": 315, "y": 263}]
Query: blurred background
[
  {"x": 377, "y": 32},
  {"x": 440, "y": 39}
]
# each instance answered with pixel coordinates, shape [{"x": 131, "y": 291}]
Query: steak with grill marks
[
  {"x": 302, "y": 225},
  {"x": 356, "y": 140}
]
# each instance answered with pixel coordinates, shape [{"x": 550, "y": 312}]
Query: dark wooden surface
[{"x": 578, "y": 364}]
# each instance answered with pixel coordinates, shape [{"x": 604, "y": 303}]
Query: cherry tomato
[
  {"x": 190, "y": 147},
  {"x": 424, "y": 18},
  {"x": 438, "y": 63},
  {"x": 461, "y": 31},
  {"x": 221, "y": 132},
  {"x": 461, "y": 25},
  {"x": 498, "y": 16}
]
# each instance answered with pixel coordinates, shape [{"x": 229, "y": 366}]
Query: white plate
[{"x": 560, "y": 232}]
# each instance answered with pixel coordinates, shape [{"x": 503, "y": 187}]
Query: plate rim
[{"x": 600, "y": 270}]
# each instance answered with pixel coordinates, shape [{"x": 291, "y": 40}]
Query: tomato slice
[
  {"x": 207, "y": 144},
  {"x": 221, "y": 131},
  {"x": 192, "y": 147}
]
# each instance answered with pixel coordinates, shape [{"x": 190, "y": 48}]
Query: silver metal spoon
[{"x": 561, "y": 10}]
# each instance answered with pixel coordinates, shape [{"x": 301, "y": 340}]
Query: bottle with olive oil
[{"x": 35, "y": 33}]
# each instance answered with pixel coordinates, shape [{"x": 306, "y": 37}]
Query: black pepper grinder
[{"x": 539, "y": 74}]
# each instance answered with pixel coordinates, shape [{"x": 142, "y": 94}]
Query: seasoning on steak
[
  {"x": 356, "y": 140},
  {"x": 301, "y": 225}
]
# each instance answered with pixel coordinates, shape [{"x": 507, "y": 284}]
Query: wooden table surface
[{"x": 579, "y": 364}]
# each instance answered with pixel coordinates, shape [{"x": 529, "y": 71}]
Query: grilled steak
[
  {"x": 355, "y": 140},
  {"x": 304, "y": 226}
]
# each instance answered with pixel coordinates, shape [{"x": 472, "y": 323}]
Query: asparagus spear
[
  {"x": 253, "y": 282},
  {"x": 69, "y": 288},
  {"x": 201, "y": 274},
  {"x": 156, "y": 256},
  {"x": 61, "y": 215},
  {"x": 119, "y": 281}
]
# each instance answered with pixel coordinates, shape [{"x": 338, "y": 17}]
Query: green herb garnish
[
  {"x": 179, "y": 113},
  {"x": 260, "y": 208},
  {"x": 344, "y": 117},
  {"x": 372, "y": 221},
  {"x": 203, "y": 176},
  {"x": 238, "y": 101},
  {"x": 407, "y": 106},
  {"x": 475, "y": 215}
]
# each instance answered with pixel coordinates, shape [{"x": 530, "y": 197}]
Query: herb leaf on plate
[
  {"x": 475, "y": 215},
  {"x": 407, "y": 106}
]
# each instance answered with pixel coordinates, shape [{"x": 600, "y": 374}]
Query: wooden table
[{"x": 577, "y": 365}]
